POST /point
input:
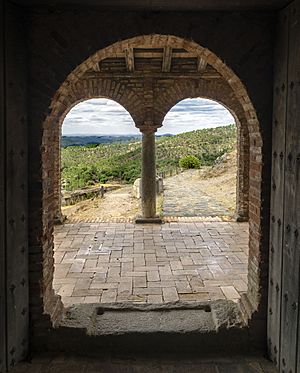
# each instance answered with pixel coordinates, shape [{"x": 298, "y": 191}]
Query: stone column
[{"x": 148, "y": 181}]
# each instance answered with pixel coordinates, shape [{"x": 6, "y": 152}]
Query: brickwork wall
[{"x": 58, "y": 50}]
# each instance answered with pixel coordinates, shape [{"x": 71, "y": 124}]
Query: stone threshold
[
  {"x": 173, "y": 317},
  {"x": 178, "y": 328}
]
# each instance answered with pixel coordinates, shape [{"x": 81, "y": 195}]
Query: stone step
[{"x": 180, "y": 328}]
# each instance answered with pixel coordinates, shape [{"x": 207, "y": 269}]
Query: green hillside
[{"x": 121, "y": 161}]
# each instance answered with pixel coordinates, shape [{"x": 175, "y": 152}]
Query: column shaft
[{"x": 148, "y": 192}]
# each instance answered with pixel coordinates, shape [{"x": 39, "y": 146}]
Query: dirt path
[{"x": 118, "y": 205}]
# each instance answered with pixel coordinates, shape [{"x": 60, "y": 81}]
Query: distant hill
[
  {"x": 95, "y": 140},
  {"x": 165, "y": 135},
  {"x": 120, "y": 160},
  {"x": 77, "y": 140}
]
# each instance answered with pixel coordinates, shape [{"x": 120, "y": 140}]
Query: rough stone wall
[{"x": 243, "y": 41}]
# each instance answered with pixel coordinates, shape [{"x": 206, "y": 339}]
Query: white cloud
[
  {"x": 195, "y": 113},
  {"x": 104, "y": 116},
  {"x": 98, "y": 116}
]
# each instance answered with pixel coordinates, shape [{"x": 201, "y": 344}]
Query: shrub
[
  {"x": 190, "y": 161},
  {"x": 82, "y": 166}
]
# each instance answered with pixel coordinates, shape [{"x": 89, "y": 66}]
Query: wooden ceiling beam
[
  {"x": 129, "y": 58},
  {"x": 201, "y": 65},
  {"x": 150, "y": 54},
  {"x": 154, "y": 75},
  {"x": 96, "y": 67},
  {"x": 167, "y": 59}
]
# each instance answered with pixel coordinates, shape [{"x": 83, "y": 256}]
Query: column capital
[{"x": 148, "y": 127}]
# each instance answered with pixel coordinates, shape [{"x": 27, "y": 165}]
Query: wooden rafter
[
  {"x": 154, "y": 75},
  {"x": 129, "y": 58},
  {"x": 150, "y": 54},
  {"x": 97, "y": 67},
  {"x": 167, "y": 58},
  {"x": 201, "y": 65}
]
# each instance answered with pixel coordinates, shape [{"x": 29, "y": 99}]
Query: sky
[{"x": 106, "y": 117}]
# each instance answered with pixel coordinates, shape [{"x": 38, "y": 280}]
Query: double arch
[{"x": 75, "y": 89}]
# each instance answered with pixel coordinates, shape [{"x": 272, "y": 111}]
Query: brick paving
[{"x": 176, "y": 261}]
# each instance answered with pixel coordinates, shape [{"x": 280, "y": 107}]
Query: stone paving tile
[
  {"x": 118, "y": 262},
  {"x": 195, "y": 203}
]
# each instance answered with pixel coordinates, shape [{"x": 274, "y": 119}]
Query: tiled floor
[{"x": 121, "y": 262}]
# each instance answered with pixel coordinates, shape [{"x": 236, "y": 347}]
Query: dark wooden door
[
  {"x": 2, "y": 202},
  {"x": 284, "y": 278},
  {"x": 14, "y": 307}
]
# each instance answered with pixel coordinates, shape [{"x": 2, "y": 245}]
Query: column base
[
  {"x": 154, "y": 220},
  {"x": 241, "y": 218},
  {"x": 58, "y": 220}
]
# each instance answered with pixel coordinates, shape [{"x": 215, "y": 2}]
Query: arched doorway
[
  {"x": 99, "y": 159},
  {"x": 148, "y": 100},
  {"x": 204, "y": 157}
]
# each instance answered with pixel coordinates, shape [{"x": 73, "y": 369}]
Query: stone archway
[
  {"x": 221, "y": 92},
  {"x": 79, "y": 92},
  {"x": 142, "y": 110}
]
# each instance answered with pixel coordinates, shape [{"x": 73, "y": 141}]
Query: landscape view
[
  {"x": 98, "y": 173},
  {"x": 191, "y": 249}
]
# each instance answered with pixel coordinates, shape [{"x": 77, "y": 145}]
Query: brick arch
[
  {"x": 160, "y": 41},
  {"x": 221, "y": 92},
  {"x": 77, "y": 92},
  {"x": 85, "y": 89},
  {"x": 214, "y": 89},
  {"x": 253, "y": 300}
]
